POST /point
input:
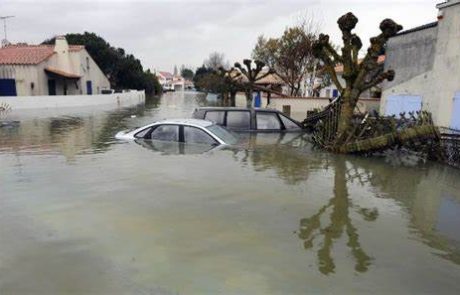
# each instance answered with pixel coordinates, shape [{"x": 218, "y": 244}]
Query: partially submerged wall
[
  {"x": 31, "y": 104},
  {"x": 299, "y": 106}
]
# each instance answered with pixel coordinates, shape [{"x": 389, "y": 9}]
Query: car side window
[
  {"x": 288, "y": 123},
  {"x": 215, "y": 116},
  {"x": 196, "y": 135},
  {"x": 142, "y": 133},
  {"x": 239, "y": 120},
  {"x": 166, "y": 133},
  {"x": 267, "y": 121}
]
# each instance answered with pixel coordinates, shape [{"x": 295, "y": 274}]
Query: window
[
  {"x": 239, "y": 119},
  {"x": 288, "y": 123},
  {"x": 166, "y": 133},
  {"x": 215, "y": 116},
  {"x": 328, "y": 92},
  {"x": 87, "y": 63},
  {"x": 143, "y": 133},
  {"x": 195, "y": 135},
  {"x": 222, "y": 133},
  {"x": 267, "y": 121}
]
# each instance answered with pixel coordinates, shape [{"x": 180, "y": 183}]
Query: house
[
  {"x": 166, "y": 80},
  {"x": 426, "y": 61},
  {"x": 59, "y": 69},
  {"x": 178, "y": 82}
]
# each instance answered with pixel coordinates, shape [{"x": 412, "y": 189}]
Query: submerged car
[
  {"x": 193, "y": 131},
  {"x": 248, "y": 119}
]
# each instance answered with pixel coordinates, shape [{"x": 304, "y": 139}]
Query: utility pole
[{"x": 4, "y": 18}]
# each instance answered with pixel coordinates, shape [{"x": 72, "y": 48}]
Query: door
[
  {"x": 7, "y": 87},
  {"x": 238, "y": 120},
  {"x": 52, "y": 87},
  {"x": 267, "y": 121},
  {"x": 89, "y": 87},
  {"x": 455, "y": 120},
  {"x": 397, "y": 104}
]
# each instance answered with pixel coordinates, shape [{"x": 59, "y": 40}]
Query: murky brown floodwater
[{"x": 81, "y": 213}]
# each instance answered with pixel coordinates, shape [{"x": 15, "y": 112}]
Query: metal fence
[{"x": 450, "y": 144}]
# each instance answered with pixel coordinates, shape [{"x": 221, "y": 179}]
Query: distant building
[
  {"x": 426, "y": 60},
  {"x": 166, "y": 80},
  {"x": 170, "y": 82},
  {"x": 60, "y": 69}
]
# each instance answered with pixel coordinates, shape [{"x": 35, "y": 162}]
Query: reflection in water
[
  {"x": 288, "y": 154},
  {"x": 174, "y": 148},
  {"x": 423, "y": 198},
  {"x": 340, "y": 221}
]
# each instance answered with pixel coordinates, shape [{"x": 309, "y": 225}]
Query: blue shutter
[
  {"x": 7, "y": 87},
  {"x": 455, "y": 120},
  {"x": 396, "y": 104}
]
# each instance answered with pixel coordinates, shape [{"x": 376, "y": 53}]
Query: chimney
[
  {"x": 61, "y": 48},
  {"x": 61, "y": 45}
]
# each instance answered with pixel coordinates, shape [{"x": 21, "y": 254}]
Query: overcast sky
[{"x": 167, "y": 33}]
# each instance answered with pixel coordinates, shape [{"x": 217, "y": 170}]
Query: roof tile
[{"x": 29, "y": 54}]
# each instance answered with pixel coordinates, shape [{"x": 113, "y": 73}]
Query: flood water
[{"x": 82, "y": 213}]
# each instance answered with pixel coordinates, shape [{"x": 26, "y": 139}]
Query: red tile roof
[
  {"x": 166, "y": 74},
  {"x": 29, "y": 54}
]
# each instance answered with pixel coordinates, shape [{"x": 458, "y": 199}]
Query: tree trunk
[
  {"x": 349, "y": 100},
  {"x": 249, "y": 93},
  {"x": 421, "y": 132},
  {"x": 232, "y": 98}
]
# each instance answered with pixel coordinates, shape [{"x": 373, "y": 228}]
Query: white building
[
  {"x": 166, "y": 80},
  {"x": 60, "y": 69},
  {"x": 426, "y": 60},
  {"x": 170, "y": 82}
]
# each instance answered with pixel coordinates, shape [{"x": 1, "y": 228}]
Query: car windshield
[{"x": 223, "y": 134}]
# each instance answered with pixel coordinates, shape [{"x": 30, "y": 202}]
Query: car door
[
  {"x": 197, "y": 141},
  {"x": 215, "y": 116},
  {"x": 162, "y": 132},
  {"x": 162, "y": 138},
  {"x": 288, "y": 123},
  {"x": 268, "y": 121},
  {"x": 238, "y": 120}
]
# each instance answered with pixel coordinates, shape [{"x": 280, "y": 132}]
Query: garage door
[
  {"x": 396, "y": 104},
  {"x": 455, "y": 121},
  {"x": 7, "y": 87}
]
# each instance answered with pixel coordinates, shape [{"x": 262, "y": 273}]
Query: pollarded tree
[
  {"x": 359, "y": 76},
  {"x": 250, "y": 76}
]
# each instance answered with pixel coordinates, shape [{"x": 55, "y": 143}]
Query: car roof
[
  {"x": 236, "y": 109},
  {"x": 195, "y": 122}
]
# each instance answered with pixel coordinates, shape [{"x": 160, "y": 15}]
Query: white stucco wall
[
  {"x": 71, "y": 101},
  {"x": 431, "y": 69},
  {"x": 74, "y": 62},
  {"x": 299, "y": 106},
  {"x": 94, "y": 73}
]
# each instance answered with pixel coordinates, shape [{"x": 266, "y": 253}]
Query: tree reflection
[
  {"x": 285, "y": 153},
  {"x": 340, "y": 221}
]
